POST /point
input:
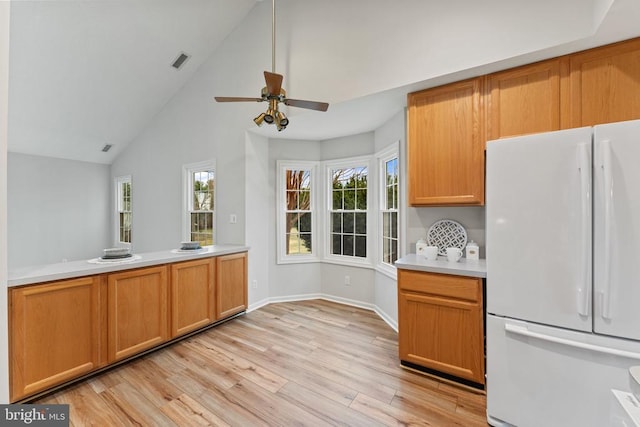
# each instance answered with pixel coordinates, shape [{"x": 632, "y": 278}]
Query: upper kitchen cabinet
[
  {"x": 523, "y": 100},
  {"x": 602, "y": 85},
  {"x": 446, "y": 145}
]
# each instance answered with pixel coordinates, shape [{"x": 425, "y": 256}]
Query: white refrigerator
[{"x": 563, "y": 274}]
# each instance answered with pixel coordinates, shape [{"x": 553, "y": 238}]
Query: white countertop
[
  {"x": 464, "y": 267},
  {"x": 67, "y": 270}
]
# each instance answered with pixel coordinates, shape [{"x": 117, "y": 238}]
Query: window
[
  {"x": 200, "y": 201},
  {"x": 389, "y": 173},
  {"x": 123, "y": 208},
  {"x": 348, "y": 210},
  {"x": 296, "y": 222}
]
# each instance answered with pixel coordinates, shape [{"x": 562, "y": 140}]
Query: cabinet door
[
  {"x": 231, "y": 284},
  {"x": 524, "y": 100},
  {"x": 603, "y": 85},
  {"x": 445, "y": 145},
  {"x": 192, "y": 295},
  {"x": 138, "y": 317},
  {"x": 442, "y": 329},
  {"x": 54, "y": 333}
]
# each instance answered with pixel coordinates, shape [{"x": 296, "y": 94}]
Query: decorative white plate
[
  {"x": 132, "y": 258},
  {"x": 445, "y": 234}
]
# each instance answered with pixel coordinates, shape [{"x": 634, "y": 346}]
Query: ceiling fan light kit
[{"x": 273, "y": 91}]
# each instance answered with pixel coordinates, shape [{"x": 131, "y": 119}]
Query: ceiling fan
[{"x": 273, "y": 93}]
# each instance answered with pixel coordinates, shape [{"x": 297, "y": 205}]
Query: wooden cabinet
[
  {"x": 523, "y": 100},
  {"x": 138, "y": 311},
  {"x": 231, "y": 284},
  {"x": 603, "y": 85},
  {"x": 192, "y": 295},
  {"x": 440, "y": 323},
  {"x": 55, "y": 333},
  {"x": 446, "y": 145}
]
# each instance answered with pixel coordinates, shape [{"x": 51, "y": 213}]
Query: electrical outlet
[
  {"x": 233, "y": 218},
  {"x": 254, "y": 284},
  {"x": 347, "y": 280}
]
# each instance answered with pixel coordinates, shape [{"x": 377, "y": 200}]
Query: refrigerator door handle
[
  {"x": 584, "y": 280},
  {"x": 608, "y": 218},
  {"x": 524, "y": 331}
]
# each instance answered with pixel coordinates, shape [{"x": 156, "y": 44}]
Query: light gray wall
[
  {"x": 348, "y": 146},
  {"x": 5, "y": 8},
  {"x": 259, "y": 200},
  {"x": 58, "y": 209},
  {"x": 385, "y": 290}
]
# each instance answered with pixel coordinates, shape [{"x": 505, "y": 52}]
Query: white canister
[
  {"x": 421, "y": 245},
  {"x": 472, "y": 251}
]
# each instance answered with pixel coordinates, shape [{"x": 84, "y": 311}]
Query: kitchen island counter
[
  {"x": 463, "y": 267},
  {"x": 71, "y": 269}
]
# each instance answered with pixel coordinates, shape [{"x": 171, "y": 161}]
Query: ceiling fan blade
[
  {"x": 274, "y": 82},
  {"x": 236, "y": 99},
  {"x": 311, "y": 105}
]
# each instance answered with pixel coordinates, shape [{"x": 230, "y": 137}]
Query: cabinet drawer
[{"x": 466, "y": 288}]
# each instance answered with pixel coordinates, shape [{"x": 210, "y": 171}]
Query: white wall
[
  {"x": 58, "y": 209},
  {"x": 5, "y": 7},
  {"x": 258, "y": 199}
]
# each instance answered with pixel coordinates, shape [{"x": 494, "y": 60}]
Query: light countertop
[
  {"x": 463, "y": 267},
  {"x": 68, "y": 270}
]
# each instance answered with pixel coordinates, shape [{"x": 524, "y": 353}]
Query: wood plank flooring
[{"x": 310, "y": 363}]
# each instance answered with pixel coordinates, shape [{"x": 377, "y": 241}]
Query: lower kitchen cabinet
[
  {"x": 55, "y": 333},
  {"x": 440, "y": 323},
  {"x": 192, "y": 295},
  {"x": 231, "y": 284},
  {"x": 63, "y": 330},
  {"x": 138, "y": 311}
]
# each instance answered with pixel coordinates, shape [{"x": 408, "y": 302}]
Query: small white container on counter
[
  {"x": 421, "y": 245},
  {"x": 472, "y": 251}
]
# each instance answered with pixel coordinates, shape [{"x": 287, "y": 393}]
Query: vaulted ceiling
[{"x": 87, "y": 73}]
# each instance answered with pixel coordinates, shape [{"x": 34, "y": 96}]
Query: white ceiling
[{"x": 86, "y": 73}]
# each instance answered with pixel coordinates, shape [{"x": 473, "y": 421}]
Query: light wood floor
[{"x": 302, "y": 363}]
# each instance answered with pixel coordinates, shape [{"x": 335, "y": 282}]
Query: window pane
[
  {"x": 292, "y": 200},
  {"x": 202, "y": 227},
  {"x": 304, "y": 200},
  {"x": 347, "y": 245},
  {"x": 386, "y": 251},
  {"x": 386, "y": 226},
  {"x": 336, "y": 244},
  {"x": 361, "y": 246},
  {"x": 337, "y": 199},
  {"x": 348, "y": 225},
  {"x": 361, "y": 199},
  {"x": 336, "y": 222},
  {"x": 361, "y": 223},
  {"x": 394, "y": 225},
  {"x": 394, "y": 251},
  {"x": 305, "y": 223},
  {"x": 349, "y": 200},
  {"x": 305, "y": 243}
]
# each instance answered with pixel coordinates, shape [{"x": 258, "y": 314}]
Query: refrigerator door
[
  {"x": 543, "y": 376},
  {"x": 538, "y": 208},
  {"x": 617, "y": 229}
]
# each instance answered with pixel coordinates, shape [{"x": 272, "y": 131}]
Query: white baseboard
[{"x": 305, "y": 297}]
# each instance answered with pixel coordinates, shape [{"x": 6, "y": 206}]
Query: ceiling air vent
[
  {"x": 107, "y": 147},
  {"x": 180, "y": 60}
]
